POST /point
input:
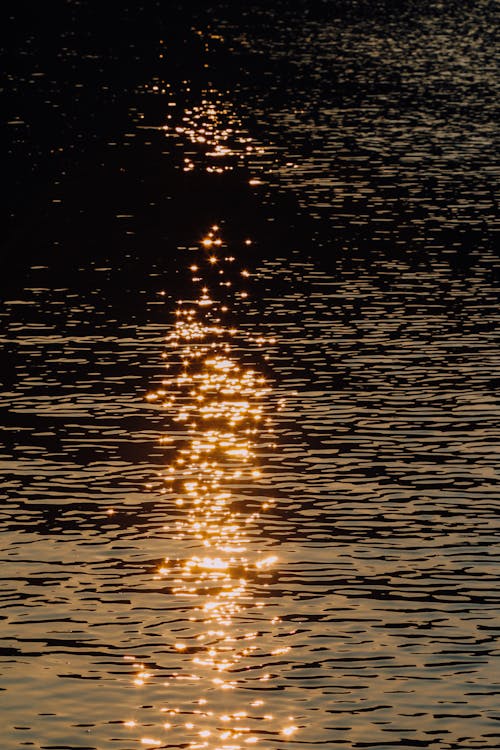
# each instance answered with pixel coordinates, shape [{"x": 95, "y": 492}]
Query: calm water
[{"x": 248, "y": 396}]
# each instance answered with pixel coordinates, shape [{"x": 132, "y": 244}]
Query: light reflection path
[
  {"x": 213, "y": 129},
  {"x": 222, "y": 669}
]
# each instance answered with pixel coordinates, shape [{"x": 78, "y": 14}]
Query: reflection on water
[
  {"x": 217, "y": 139},
  {"x": 228, "y": 641},
  {"x": 379, "y": 618},
  {"x": 293, "y": 539}
]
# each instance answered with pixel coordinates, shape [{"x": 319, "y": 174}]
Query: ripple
[{"x": 323, "y": 567}]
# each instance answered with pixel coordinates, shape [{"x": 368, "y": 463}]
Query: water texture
[{"x": 249, "y": 417}]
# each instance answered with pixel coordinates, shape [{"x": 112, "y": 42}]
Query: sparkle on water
[
  {"x": 176, "y": 574},
  {"x": 227, "y": 644},
  {"x": 214, "y": 129}
]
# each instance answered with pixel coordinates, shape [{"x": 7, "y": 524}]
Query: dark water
[{"x": 248, "y": 398}]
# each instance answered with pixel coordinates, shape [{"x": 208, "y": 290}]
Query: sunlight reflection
[
  {"x": 213, "y": 126},
  {"x": 217, "y": 139},
  {"x": 223, "y": 407}
]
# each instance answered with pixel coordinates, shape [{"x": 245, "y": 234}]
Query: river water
[{"x": 248, "y": 395}]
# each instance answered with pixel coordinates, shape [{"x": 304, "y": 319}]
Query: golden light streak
[
  {"x": 213, "y": 128},
  {"x": 219, "y": 410}
]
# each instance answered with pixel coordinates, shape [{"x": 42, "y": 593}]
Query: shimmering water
[{"x": 249, "y": 418}]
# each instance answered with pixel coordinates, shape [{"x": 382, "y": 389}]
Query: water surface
[{"x": 249, "y": 418}]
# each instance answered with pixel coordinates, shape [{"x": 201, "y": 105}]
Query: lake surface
[{"x": 249, "y": 417}]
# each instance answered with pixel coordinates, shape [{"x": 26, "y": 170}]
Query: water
[{"x": 249, "y": 417}]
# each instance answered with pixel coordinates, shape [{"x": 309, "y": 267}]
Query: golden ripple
[{"x": 224, "y": 404}]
